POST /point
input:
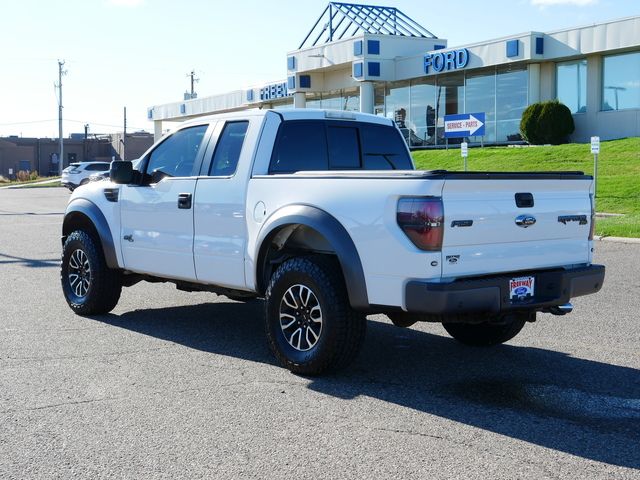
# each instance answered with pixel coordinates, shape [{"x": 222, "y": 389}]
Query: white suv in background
[{"x": 78, "y": 174}]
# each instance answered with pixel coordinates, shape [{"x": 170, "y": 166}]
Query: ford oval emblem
[{"x": 525, "y": 221}]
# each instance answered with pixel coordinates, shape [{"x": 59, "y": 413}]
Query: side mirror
[{"x": 121, "y": 172}]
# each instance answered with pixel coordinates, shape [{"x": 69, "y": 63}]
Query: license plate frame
[{"x": 522, "y": 289}]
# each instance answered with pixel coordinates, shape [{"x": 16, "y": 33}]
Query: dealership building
[{"x": 379, "y": 60}]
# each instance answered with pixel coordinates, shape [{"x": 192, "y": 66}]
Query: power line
[{"x": 30, "y": 122}]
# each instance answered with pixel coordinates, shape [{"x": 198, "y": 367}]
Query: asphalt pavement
[{"x": 182, "y": 385}]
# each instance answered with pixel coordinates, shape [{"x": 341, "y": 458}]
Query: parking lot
[{"x": 182, "y": 385}]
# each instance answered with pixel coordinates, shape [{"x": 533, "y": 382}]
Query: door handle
[{"x": 184, "y": 200}]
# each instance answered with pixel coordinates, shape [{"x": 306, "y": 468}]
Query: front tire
[
  {"x": 311, "y": 327},
  {"x": 89, "y": 286},
  {"x": 485, "y": 334}
]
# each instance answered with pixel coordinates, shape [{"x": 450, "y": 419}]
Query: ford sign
[{"x": 444, "y": 61}]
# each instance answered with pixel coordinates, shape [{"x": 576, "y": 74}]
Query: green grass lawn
[
  {"x": 618, "y": 173},
  {"x": 17, "y": 182},
  {"x": 43, "y": 185}
]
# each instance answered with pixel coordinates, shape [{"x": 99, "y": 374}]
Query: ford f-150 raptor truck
[{"x": 323, "y": 215}]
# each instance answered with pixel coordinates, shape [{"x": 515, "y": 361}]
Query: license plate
[{"x": 521, "y": 288}]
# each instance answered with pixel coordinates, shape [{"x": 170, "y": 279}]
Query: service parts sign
[{"x": 464, "y": 125}]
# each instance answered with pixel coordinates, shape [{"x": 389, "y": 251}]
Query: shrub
[
  {"x": 547, "y": 122},
  {"x": 33, "y": 175},
  {"x": 22, "y": 175}
]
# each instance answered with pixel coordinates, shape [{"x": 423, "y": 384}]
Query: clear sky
[{"x": 137, "y": 53}]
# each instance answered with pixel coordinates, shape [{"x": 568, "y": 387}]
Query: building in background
[
  {"x": 41, "y": 154},
  {"x": 379, "y": 60}
]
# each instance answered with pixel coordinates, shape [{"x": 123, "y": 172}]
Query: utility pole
[
  {"x": 193, "y": 81},
  {"x": 124, "y": 135},
  {"x": 85, "y": 150},
  {"x": 61, "y": 72}
]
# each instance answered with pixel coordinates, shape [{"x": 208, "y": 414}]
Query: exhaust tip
[{"x": 561, "y": 309}]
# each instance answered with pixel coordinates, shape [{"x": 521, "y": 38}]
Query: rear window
[
  {"x": 334, "y": 145},
  {"x": 382, "y": 150},
  {"x": 344, "y": 148},
  {"x": 98, "y": 167}
]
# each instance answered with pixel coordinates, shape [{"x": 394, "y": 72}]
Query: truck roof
[{"x": 296, "y": 114}]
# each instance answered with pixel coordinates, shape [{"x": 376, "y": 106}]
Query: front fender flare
[
  {"x": 334, "y": 232},
  {"x": 97, "y": 218}
]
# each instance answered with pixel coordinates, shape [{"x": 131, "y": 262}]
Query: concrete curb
[{"x": 618, "y": 239}]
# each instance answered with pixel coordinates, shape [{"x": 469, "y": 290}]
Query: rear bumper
[{"x": 491, "y": 294}]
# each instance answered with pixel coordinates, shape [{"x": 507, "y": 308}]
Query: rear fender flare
[{"x": 333, "y": 231}]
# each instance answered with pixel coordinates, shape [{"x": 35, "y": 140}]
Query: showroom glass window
[
  {"x": 351, "y": 99},
  {"x": 512, "y": 93},
  {"x": 571, "y": 85},
  {"x": 397, "y": 103},
  {"x": 449, "y": 101},
  {"x": 314, "y": 100},
  {"x": 480, "y": 96},
  {"x": 283, "y": 105},
  {"x": 423, "y": 111},
  {"x": 333, "y": 100},
  {"x": 378, "y": 99},
  {"x": 621, "y": 81}
]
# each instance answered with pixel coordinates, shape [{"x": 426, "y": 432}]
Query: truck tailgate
[{"x": 491, "y": 226}]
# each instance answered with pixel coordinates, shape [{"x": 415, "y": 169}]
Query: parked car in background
[{"x": 78, "y": 174}]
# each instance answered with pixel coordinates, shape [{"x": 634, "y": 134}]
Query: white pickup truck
[{"x": 323, "y": 215}]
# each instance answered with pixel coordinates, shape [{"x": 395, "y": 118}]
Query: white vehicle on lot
[
  {"x": 77, "y": 174},
  {"x": 323, "y": 215}
]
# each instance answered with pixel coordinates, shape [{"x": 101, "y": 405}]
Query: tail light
[
  {"x": 592, "y": 226},
  {"x": 422, "y": 220}
]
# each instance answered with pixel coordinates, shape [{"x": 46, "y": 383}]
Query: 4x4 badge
[{"x": 525, "y": 221}]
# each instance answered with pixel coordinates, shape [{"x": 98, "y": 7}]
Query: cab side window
[
  {"x": 227, "y": 152},
  {"x": 301, "y": 146},
  {"x": 176, "y": 156}
]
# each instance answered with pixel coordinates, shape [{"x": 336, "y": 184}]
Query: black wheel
[
  {"x": 485, "y": 334},
  {"x": 89, "y": 286},
  {"x": 311, "y": 328}
]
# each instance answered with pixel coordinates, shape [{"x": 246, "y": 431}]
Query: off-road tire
[
  {"x": 484, "y": 334},
  {"x": 105, "y": 284},
  {"x": 343, "y": 329}
]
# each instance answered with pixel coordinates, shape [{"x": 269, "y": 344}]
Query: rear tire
[
  {"x": 484, "y": 334},
  {"x": 89, "y": 286},
  {"x": 311, "y": 327}
]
